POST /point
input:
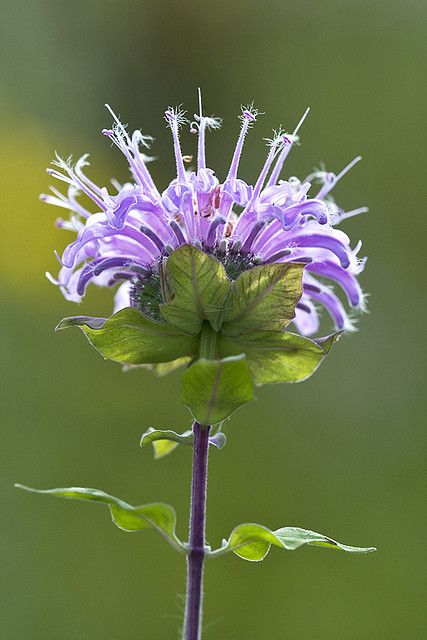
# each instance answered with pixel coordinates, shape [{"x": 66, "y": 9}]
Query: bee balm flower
[{"x": 133, "y": 230}]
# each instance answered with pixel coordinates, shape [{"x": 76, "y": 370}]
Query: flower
[{"x": 133, "y": 230}]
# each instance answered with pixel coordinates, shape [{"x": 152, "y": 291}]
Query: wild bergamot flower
[
  {"x": 132, "y": 231},
  {"x": 208, "y": 275}
]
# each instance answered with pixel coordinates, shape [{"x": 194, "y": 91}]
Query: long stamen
[
  {"x": 174, "y": 118},
  {"x": 333, "y": 179},
  {"x": 82, "y": 162},
  {"x": 286, "y": 150},
  {"x": 75, "y": 181},
  {"x": 354, "y": 212},
  {"x": 277, "y": 140},
  {"x": 201, "y": 152},
  {"x": 121, "y": 139},
  {"x": 248, "y": 117}
]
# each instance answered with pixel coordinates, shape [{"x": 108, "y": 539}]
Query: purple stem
[{"x": 196, "y": 556}]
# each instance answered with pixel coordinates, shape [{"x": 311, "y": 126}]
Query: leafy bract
[
  {"x": 265, "y": 298},
  {"x": 277, "y": 356},
  {"x": 214, "y": 389},
  {"x": 164, "y": 441},
  {"x": 165, "y": 368},
  {"x": 158, "y": 516},
  {"x": 200, "y": 290},
  {"x": 252, "y": 542},
  {"x": 129, "y": 337}
]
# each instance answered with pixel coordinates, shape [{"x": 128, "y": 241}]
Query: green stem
[{"x": 208, "y": 345}]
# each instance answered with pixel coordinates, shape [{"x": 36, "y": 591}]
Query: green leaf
[
  {"x": 252, "y": 542},
  {"x": 163, "y": 448},
  {"x": 158, "y": 516},
  {"x": 160, "y": 369},
  {"x": 276, "y": 356},
  {"x": 129, "y": 337},
  {"x": 165, "y": 441},
  {"x": 165, "y": 368},
  {"x": 214, "y": 389},
  {"x": 265, "y": 298},
  {"x": 201, "y": 290}
]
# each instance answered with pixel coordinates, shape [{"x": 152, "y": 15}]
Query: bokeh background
[{"x": 343, "y": 453}]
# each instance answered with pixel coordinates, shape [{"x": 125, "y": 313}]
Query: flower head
[{"x": 134, "y": 227}]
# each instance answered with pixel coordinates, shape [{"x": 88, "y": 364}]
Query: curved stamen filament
[{"x": 285, "y": 151}]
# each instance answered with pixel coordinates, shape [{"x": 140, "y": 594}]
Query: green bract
[
  {"x": 131, "y": 338},
  {"x": 214, "y": 389},
  {"x": 201, "y": 290},
  {"x": 231, "y": 333}
]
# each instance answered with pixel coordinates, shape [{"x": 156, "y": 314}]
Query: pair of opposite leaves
[{"x": 243, "y": 321}]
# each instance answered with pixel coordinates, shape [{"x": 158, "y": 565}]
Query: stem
[
  {"x": 197, "y": 551},
  {"x": 208, "y": 346}
]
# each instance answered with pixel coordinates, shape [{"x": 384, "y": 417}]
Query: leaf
[
  {"x": 160, "y": 369},
  {"x": 252, "y": 542},
  {"x": 265, "y": 298},
  {"x": 218, "y": 440},
  {"x": 158, "y": 516},
  {"x": 165, "y": 441},
  {"x": 165, "y": 368},
  {"x": 163, "y": 448},
  {"x": 201, "y": 290},
  {"x": 214, "y": 389},
  {"x": 276, "y": 356},
  {"x": 129, "y": 337}
]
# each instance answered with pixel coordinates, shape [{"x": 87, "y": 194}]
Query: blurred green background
[{"x": 343, "y": 453}]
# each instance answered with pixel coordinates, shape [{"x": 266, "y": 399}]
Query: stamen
[
  {"x": 277, "y": 256},
  {"x": 218, "y": 221},
  {"x": 303, "y": 307},
  {"x": 108, "y": 263},
  {"x": 178, "y": 232},
  {"x": 59, "y": 202},
  {"x": 175, "y": 118},
  {"x": 153, "y": 237},
  {"x": 235, "y": 247},
  {"x": 303, "y": 260},
  {"x": 285, "y": 152},
  {"x": 312, "y": 288},
  {"x": 222, "y": 248},
  {"x": 246, "y": 246},
  {"x": 74, "y": 180},
  {"x": 82, "y": 162},
  {"x": 354, "y": 212},
  {"x": 121, "y": 139},
  {"x": 201, "y": 152},
  {"x": 333, "y": 179},
  {"x": 248, "y": 117},
  {"x": 275, "y": 143}
]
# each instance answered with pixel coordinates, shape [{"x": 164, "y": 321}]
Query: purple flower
[{"x": 132, "y": 230}]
